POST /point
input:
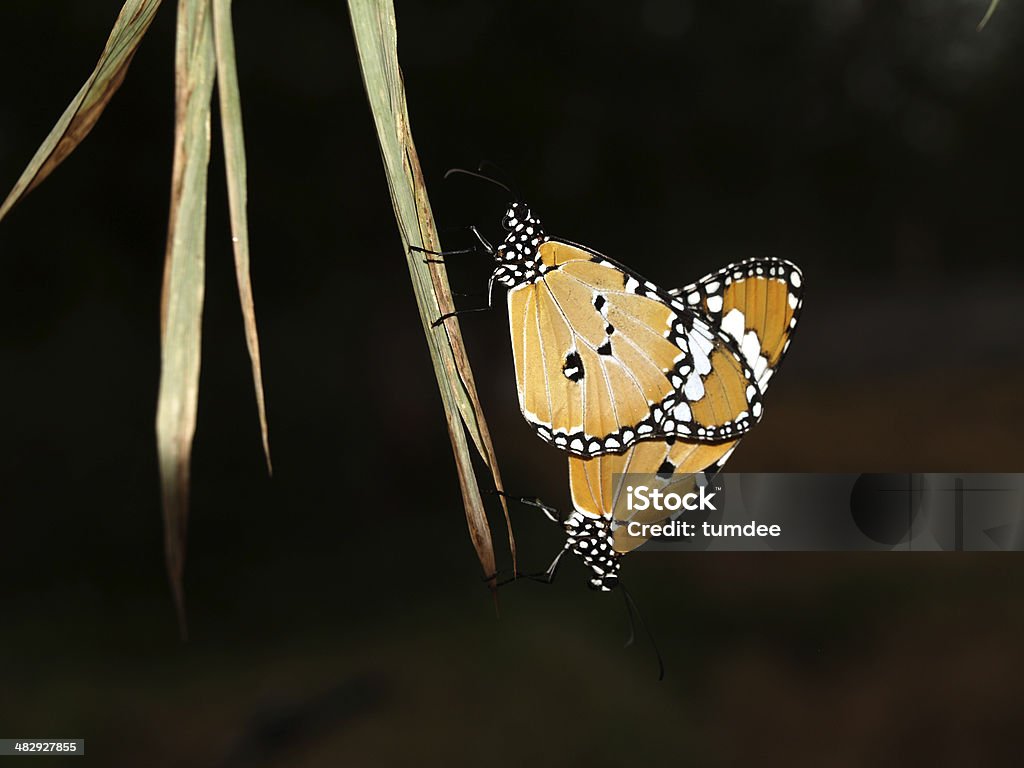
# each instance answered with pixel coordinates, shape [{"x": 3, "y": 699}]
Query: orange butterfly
[
  {"x": 756, "y": 303},
  {"x": 605, "y": 358}
]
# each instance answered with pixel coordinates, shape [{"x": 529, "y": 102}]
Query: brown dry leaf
[
  {"x": 235, "y": 170},
  {"x": 373, "y": 22},
  {"x": 87, "y": 106}
]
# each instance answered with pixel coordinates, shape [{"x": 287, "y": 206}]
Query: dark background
[{"x": 336, "y": 611}]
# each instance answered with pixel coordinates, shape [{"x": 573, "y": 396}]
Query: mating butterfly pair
[{"x": 630, "y": 378}]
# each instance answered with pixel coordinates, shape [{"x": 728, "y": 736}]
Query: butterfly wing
[
  {"x": 672, "y": 466},
  {"x": 757, "y": 302},
  {"x": 605, "y": 358}
]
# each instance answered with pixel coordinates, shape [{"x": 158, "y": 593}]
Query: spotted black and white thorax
[
  {"x": 517, "y": 255},
  {"x": 590, "y": 537}
]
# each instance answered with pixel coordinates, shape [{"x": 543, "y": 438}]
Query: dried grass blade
[
  {"x": 373, "y": 23},
  {"x": 235, "y": 168},
  {"x": 182, "y": 304},
  {"x": 87, "y": 106}
]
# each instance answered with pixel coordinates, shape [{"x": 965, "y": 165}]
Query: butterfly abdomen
[{"x": 590, "y": 538}]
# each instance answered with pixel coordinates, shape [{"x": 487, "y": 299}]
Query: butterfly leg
[
  {"x": 549, "y": 574},
  {"x": 551, "y": 513},
  {"x": 544, "y": 577},
  {"x": 513, "y": 578},
  {"x": 455, "y": 313},
  {"x": 482, "y": 243},
  {"x": 442, "y": 254},
  {"x": 483, "y": 240}
]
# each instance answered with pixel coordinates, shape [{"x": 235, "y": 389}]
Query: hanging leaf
[
  {"x": 182, "y": 303},
  {"x": 373, "y": 23},
  {"x": 234, "y": 166},
  {"x": 87, "y": 106}
]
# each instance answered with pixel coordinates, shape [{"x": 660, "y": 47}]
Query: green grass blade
[
  {"x": 87, "y": 106},
  {"x": 373, "y": 23},
  {"x": 234, "y": 163},
  {"x": 182, "y": 308}
]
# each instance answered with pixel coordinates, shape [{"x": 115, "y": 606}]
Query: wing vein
[{"x": 544, "y": 367}]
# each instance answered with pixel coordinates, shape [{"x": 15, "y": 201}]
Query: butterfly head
[
  {"x": 517, "y": 214},
  {"x": 591, "y": 538},
  {"x": 517, "y": 255}
]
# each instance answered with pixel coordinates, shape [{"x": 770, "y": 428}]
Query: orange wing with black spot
[
  {"x": 757, "y": 302},
  {"x": 605, "y": 359}
]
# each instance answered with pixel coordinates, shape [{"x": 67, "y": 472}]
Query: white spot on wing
[
  {"x": 694, "y": 389},
  {"x": 699, "y": 349},
  {"x": 760, "y": 367},
  {"x": 734, "y": 323},
  {"x": 751, "y": 347}
]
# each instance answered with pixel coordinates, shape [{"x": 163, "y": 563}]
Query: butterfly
[
  {"x": 598, "y": 530},
  {"x": 604, "y": 358},
  {"x": 757, "y": 304}
]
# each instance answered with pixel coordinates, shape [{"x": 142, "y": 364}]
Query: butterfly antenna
[
  {"x": 631, "y": 609},
  {"x": 499, "y": 173},
  {"x": 632, "y": 624},
  {"x": 483, "y": 177}
]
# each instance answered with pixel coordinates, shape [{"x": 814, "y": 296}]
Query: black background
[{"x": 336, "y": 611}]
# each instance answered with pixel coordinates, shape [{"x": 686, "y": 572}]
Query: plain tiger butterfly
[
  {"x": 757, "y": 303},
  {"x": 605, "y": 358},
  {"x": 598, "y": 529}
]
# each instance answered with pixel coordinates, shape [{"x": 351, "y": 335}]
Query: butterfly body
[
  {"x": 598, "y": 529},
  {"x": 590, "y": 537}
]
